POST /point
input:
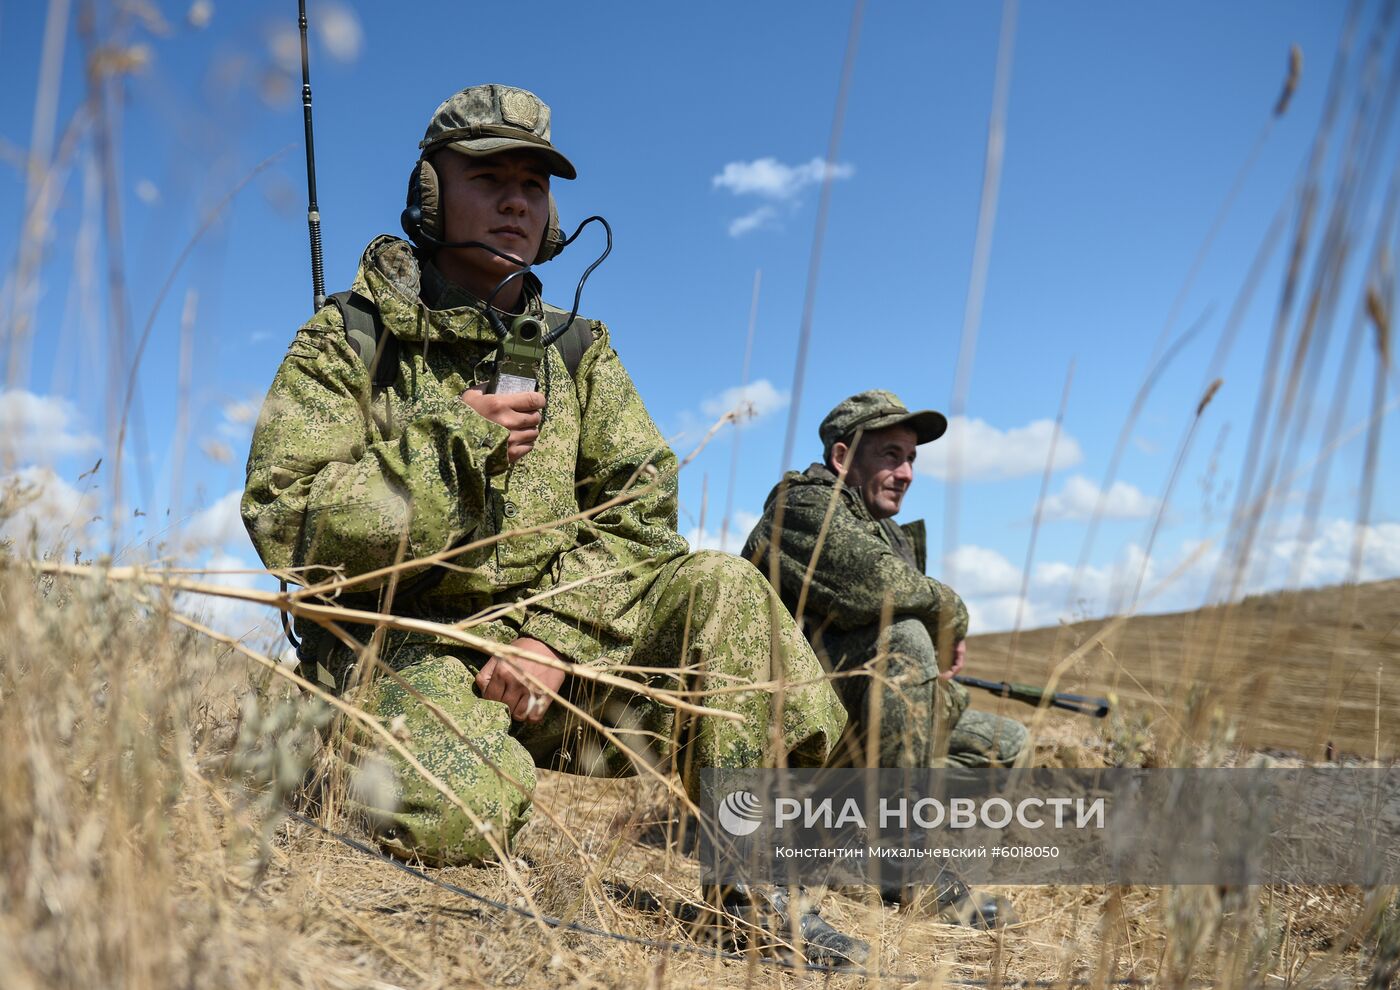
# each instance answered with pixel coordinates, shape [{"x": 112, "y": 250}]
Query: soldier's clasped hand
[
  {"x": 502, "y": 679},
  {"x": 518, "y": 412},
  {"x": 959, "y": 659}
]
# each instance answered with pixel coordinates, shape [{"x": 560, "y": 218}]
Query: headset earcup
[
  {"x": 415, "y": 218},
  {"x": 553, "y": 242},
  {"x": 429, "y": 199}
]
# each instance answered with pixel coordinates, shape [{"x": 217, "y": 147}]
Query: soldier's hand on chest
[{"x": 518, "y": 412}]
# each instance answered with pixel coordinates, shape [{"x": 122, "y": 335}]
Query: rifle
[{"x": 1030, "y": 695}]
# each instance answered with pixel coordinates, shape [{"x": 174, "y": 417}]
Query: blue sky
[{"x": 699, "y": 132}]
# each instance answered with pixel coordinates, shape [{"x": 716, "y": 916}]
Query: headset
[{"x": 422, "y": 221}]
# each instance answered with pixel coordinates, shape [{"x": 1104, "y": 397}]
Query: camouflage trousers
[
  {"x": 707, "y": 619},
  {"x": 902, "y": 714}
]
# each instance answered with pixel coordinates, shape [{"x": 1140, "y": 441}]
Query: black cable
[
  {"x": 652, "y": 943},
  {"x": 286, "y": 623},
  {"x": 578, "y": 291}
]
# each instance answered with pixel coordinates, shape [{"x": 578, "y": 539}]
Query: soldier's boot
[
  {"x": 745, "y": 912},
  {"x": 979, "y": 910},
  {"x": 954, "y": 902}
]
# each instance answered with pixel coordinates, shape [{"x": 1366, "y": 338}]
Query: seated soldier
[
  {"x": 355, "y": 468},
  {"x": 870, "y": 567},
  {"x": 866, "y": 604}
]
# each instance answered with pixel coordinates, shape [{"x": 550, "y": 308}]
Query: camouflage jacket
[
  {"x": 865, "y": 566},
  {"x": 345, "y": 476}
]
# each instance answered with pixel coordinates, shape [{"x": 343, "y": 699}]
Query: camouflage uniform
[
  {"x": 346, "y": 476},
  {"x": 868, "y": 605}
]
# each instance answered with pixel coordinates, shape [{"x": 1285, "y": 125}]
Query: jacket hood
[{"x": 817, "y": 475}]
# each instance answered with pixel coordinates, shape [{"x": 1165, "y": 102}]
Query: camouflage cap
[
  {"x": 484, "y": 120},
  {"x": 875, "y": 410}
]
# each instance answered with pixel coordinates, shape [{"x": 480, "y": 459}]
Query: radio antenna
[{"x": 313, "y": 213}]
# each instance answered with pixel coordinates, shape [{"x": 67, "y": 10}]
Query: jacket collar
[
  {"x": 392, "y": 276},
  {"x": 819, "y": 474}
]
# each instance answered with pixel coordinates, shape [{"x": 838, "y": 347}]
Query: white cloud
[
  {"x": 339, "y": 29},
  {"x": 978, "y": 571},
  {"x": 770, "y": 178},
  {"x": 1081, "y": 499},
  {"x": 218, "y": 526},
  {"x": 1291, "y": 558},
  {"x": 986, "y": 453},
  {"x": 749, "y": 402},
  {"x": 731, "y": 538},
  {"x": 998, "y": 613},
  {"x": 749, "y": 222},
  {"x": 40, "y": 428},
  {"x": 775, "y": 181},
  {"x": 46, "y": 512},
  {"x": 1326, "y": 557},
  {"x": 241, "y": 619}
]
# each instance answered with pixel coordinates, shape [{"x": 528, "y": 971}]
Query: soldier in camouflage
[
  {"x": 865, "y": 602},
  {"x": 346, "y": 477}
]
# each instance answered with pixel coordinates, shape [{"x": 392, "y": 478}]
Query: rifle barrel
[{"x": 1077, "y": 703}]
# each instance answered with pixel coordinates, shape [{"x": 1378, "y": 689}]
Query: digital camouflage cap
[
  {"x": 484, "y": 120},
  {"x": 876, "y": 410}
]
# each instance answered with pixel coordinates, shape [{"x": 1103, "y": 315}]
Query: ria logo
[{"x": 740, "y": 813}]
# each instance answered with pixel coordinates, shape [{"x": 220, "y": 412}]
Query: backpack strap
[
  {"x": 364, "y": 331},
  {"x": 575, "y": 341}
]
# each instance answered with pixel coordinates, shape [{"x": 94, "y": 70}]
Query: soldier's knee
[
  {"x": 910, "y": 649},
  {"x": 723, "y": 584},
  {"x": 1010, "y": 741},
  {"x": 475, "y": 793},
  {"x": 714, "y": 569}
]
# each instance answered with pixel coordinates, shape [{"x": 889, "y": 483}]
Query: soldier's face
[
  {"x": 882, "y": 464},
  {"x": 500, "y": 200}
]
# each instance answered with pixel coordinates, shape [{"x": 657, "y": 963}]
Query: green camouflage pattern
[
  {"x": 342, "y": 477},
  {"x": 491, "y": 118},
  {"x": 346, "y": 478},
  {"x": 489, "y": 771},
  {"x": 860, "y": 575},
  {"x": 873, "y": 615},
  {"x": 708, "y": 615},
  {"x": 913, "y": 717},
  {"x": 897, "y": 701},
  {"x": 985, "y": 739}
]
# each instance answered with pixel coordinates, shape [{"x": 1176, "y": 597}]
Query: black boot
[
  {"x": 954, "y": 902},
  {"x": 749, "y": 908}
]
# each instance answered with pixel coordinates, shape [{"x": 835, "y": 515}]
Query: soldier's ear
[{"x": 840, "y": 456}]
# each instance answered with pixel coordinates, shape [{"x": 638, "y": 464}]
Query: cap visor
[
  {"x": 928, "y": 425},
  {"x": 480, "y": 147}
]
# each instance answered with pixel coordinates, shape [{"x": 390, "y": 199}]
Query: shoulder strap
[
  {"x": 365, "y": 333},
  {"x": 575, "y": 341}
]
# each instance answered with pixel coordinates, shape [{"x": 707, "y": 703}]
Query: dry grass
[
  {"x": 144, "y": 845},
  {"x": 143, "y": 837},
  {"x": 1309, "y": 673}
]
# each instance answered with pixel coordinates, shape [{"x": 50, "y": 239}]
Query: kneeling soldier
[{"x": 389, "y": 434}]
